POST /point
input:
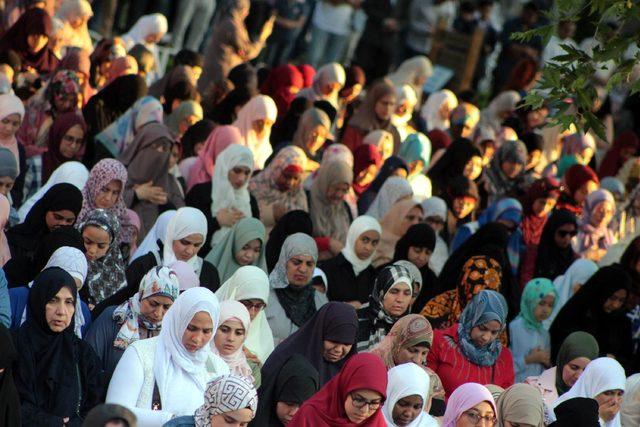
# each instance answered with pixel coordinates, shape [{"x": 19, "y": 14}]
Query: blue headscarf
[
  {"x": 484, "y": 307},
  {"x": 416, "y": 147}
]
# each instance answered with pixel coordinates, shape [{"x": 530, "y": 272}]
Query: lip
[
  {"x": 57, "y": 322},
  {"x": 228, "y": 347},
  {"x": 191, "y": 348},
  {"x": 299, "y": 277}
]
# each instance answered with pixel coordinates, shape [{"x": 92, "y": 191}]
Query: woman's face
[
  {"x": 485, "y": 333},
  {"x": 59, "y": 310},
  {"x": 463, "y": 206},
  {"x": 384, "y": 107},
  {"x": 262, "y": 127},
  {"x": 109, "y": 194},
  {"x": 602, "y": 214},
  {"x": 406, "y": 410},
  {"x": 336, "y": 192},
  {"x": 330, "y": 88},
  {"x": 414, "y": 216},
  {"x": 366, "y": 176},
  {"x": 564, "y": 234},
  {"x": 174, "y": 158},
  {"x": 572, "y": 370},
  {"x": 153, "y": 38},
  {"x": 289, "y": 180},
  {"x": 544, "y": 308},
  {"x": 581, "y": 193},
  {"x": 187, "y": 247},
  {"x": 154, "y": 308},
  {"x": 55, "y": 219},
  {"x": 316, "y": 138},
  {"x": 397, "y": 299},
  {"x": 386, "y": 148},
  {"x": 36, "y": 42},
  {"x": 473, "y": 168},
  {"x": 350, "y": 94},
  {"x": 238, "y": 176},
  {"x": 10, "y": 125},
  {"x": 361, "y": 404},
  {"x": 609, "y": 403},
  {"x": 444, "y": 111},
  {"x": 300, "y": 270},
  {"x": 480, "y": 415},
  {"x": 6, "y": 184},
  {"x": 511, "y": 169},
  {"x": 186, "y": 123},
  {"x": 96, "y": 242},
  {"x": 366, "y": 244},
  {"x": 254, "y": 306},
  {"x": 286, "y": 410},
  {"x": 401, "y": 172},
  {"x": 65, "y": 102},
  {"x": 416, "y": 354},
  {"x": 435, "y": 222},
  {"x": 237, "y": 418},
  {"x": 615, "y": 301},
  {"x": 249, "y": 253},
  {"x": 334, "y": 352},
  {"x": 418, "y": 255},
  {"x": 533, "y": 158},
  {"x": 543, "y": 206},
  {"x": 198, "y": 332},
  {"x": 229, "y": 337}
]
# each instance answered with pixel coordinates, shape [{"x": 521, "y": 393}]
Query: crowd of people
[{"x": 274, "y": 213}]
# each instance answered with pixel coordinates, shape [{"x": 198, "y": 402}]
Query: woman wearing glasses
[
  {"x": 555, "y": 252},
  {"x": 470, "y": 405},
  {"x": 354, "y": 397}
]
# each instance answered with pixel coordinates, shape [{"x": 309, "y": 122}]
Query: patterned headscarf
[
  {"x": 533, "y": 293},
  {"x": 159, "y": 281},
  {"x": 411, "y": 330},
  {"x": 105, "y": 171},
  {"x": 227, "y": 393},
  {"x": 106, "y": 275},
  {"x": 65, "y": 83},
  {"x": 485, "y": 307}
]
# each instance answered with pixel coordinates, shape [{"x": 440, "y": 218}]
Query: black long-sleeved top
[{"x": 343, "y": 284}]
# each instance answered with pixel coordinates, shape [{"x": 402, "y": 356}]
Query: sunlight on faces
[
  {"x": 286, "y": 410},
  {"x": 366, "y": 244},
  {"x": 254, "y": 306},
  {"x": 350, "y": 94},
  {"x": 187, "y": 122},
  {"x": 485, "y": 333},
  {"x": 229, "y": 337},
  {"x": 96, "y": 242},
  {"x": 415, "y": 354},
  {"x": 238, "y": 176},
  {"x": 602, "y": 215},
  {"x": 261, "y": 127},
  {"x": 6, "y": 184},
  {"x": 59, "y": 310},
  {"x": 573, "y": 369},
  {"x": 385, "y": 107},
  {"x": 316, "y": 138},
  {"x": 300, "y": 270},
  {"x": 397, "y": 299},
  {"x": 237, "y": 418},
  {"x": 108, "y": 195},
  {"x": 336, "y": 192},
  {"x": 361, "y": 404},
  {"x": 463, "y": 206},
  {"x": 544, "y": 308},
  {"x": 153, "y": 38},
  {"x": 414, "y": 216},
  {"x": 198, "y": 332},
  {"x": 289, "y": 180},
  {"x": 406, "y": 410},
  {"x": 470, "y": 417},
  {"x": 249, "y": 253},
  {"x": 366, "y": 176},
  {"x": 78, "y": 22},
  {"x": 533, "y": 158},
  {"x": 386, "y": 147},
  {"x": 419, "y": 256},
  {"x": 7, "y": 71},
  {"x": 615, "y": 301},
  {"x": 543, "y": 206},
  {"x": 187, "y": 247},
  {"x": 154, "y": 308},
  {"x": 401, "y": 172},
  {"x": 415, "y": 167},
  {"x": 330, "y": 88},
  {"x": 55, "y": 219},
  {"x": 584, "y": 157},
  {"x": 473, "y": 168},
  {"x": 581, "y": 193},
  {"x": 36, "y": 42},
  {"x": 609, "y": 402},
  {"x": 333, "y": 351},
  {"x": 10, "y": 125}
]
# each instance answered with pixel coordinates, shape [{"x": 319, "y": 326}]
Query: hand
[
  {"x": 267, "y": 29},
  {"x": 335, "y": 246},
  {"x": 278, "y": 211},
  {"x": 151, "y": 193},
  {"x": 251, "y": 356},
  {"x": 609, "y": 409},
  {"x": 227, "y": 217},
  {"x": 538, "y": 355}
]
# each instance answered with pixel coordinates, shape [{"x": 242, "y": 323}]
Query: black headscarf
[
  {"x": 389, "y": 166},
  {"x": 553, "y": 261},
  {"x": 452, "y": 163},
  {"x": 285, "y": 127},
  {"x": 584, "y": 312},
  {"x": 197, "y": 133},
  {"x": 296, "y": 382},
  {"x": 335, "y": 321},
  {"x": 386, "y": 279},
  {"x": 579, "y": 411},
  {"x": 292, "y": 222},
  {"x": 9, "y": 399},
  {"x": 629, "y": 260}
]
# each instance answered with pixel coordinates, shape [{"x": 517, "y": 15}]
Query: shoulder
[{"x": 184, "y": 421}]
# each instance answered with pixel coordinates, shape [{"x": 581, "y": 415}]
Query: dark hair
[
  {"x": 12, "y": 59},
  {"x": 144, "y": 58},
  {"x": 183, "y": 90},
  {"x": 467, "y": 7},
  {"x": 531, "y": 7},
  {"x": 188, "y": 57}
]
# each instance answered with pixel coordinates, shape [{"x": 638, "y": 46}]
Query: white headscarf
[
  {"x": 409, "y": 71},
  {"x": 223, "y": 195},
  {"x": 173, "y": 363},
  {"x": 185, "y": 222},
  {"x": 579, "y": 272},
  {"x": 505, "y": 101},
  {"x": 431, "y": 109},
  {"x": 630, "y": 408},
  {"x": 600, "y": 375},
  {"x": 327, "y": 74},
  {"x": 405, "y": 380},
  {"x": 260, "y": 107},
  {"x": 237, "y": 362},
  {"x": 393, "y": 189},
  {"x": 155, "y": 23},
  {"x": 360, "y": 225},
  {"x": 251, "y": 282},
  {"x": 435, "y": 206},
  {"x": 74, "y": 173},
  {"x": 157, "y": 232}
]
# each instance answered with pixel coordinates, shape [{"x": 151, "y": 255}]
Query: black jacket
[{"x": 343, "y": 284}]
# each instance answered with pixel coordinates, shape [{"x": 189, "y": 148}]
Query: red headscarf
[
  {"x": 364, "y": 156},
  {"x": 364, "y": 371},
  {"x": 575, "y": 177},
  {"x": 613, "y": 160},
  {"x": 308, "y": 72},
  {"x": 283, "y": 83},
  {"x": 219, "y": 139},
  {"x": 52, "y": 158}
]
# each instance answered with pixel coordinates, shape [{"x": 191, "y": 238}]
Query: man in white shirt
[{"x": 330, "y": 31}]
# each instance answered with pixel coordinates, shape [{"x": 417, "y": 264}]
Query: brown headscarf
[
  {"x": 365, "y": 117},
  {"x": 330, "y": 219},
  {"x": 310, "y": 119}
]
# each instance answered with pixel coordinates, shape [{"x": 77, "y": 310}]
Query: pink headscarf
[
  {"x": 217, "y": 141},
  {"x": 122, "y": 66},
  {"x": 11, "y": 104},
  {"x": 5, "y": 207},
  {"x": 134, "y": 222},
  {"x": 186, "y": 276},
  {"x": 464, "y": 398}
]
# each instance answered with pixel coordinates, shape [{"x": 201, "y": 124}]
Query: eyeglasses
[
  {"x": 476, "y": 418},
  {"x": 360, "y": 402},
  {"x": 249, "y": 305},
  {"x": 564, "y": 233}
]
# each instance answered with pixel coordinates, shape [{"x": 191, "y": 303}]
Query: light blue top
[
  {"x": 523, "y": 340},
  {"x": 5, "y": 305}
]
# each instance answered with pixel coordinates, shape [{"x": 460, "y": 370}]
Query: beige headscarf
[
  {"x": 630, "y": 409},
  {"x": 329, "y": 219},
  {"x": 365, "y": 118},
  {"x": 522, "y": 404},
  {"x": 392, "y": 230},
  {"x": 311, "y": 118}
]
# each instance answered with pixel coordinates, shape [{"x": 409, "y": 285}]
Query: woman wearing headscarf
[
  {"x": 294, "y": 383},
  {"x": 217, "y": 140},
  {"x": 366, "y": 165},
  {"x": 353, "y": 397},
  {"x": 101, "y": 232},
  {"x": 311, "y": 134},
  {"x": 327, "y": 83},
  {"x": 140, "y": 317},
  {"x": 29, "y": 38},
  {"x": 604, "y": 381},
  {"x": 629, "y": 410},
  {"x": 393, "y": 166},
  {"x": 499, "y": 109},
  {"x": 292, "y": 299},
  {"x": 10, "y": 407},
  {"x": 375, "y": 112},
  {"x": 395, "y": 223},
  {"x": 155, "y": 237},
  {"x": 350, "y": 275},
  {"x": 555, "y": 251},
  {"x": 436, "y": 111},
  {"x": 462, "y": 157},
  {"x": 530, "y": 341},
  {"x": 520, "y": 404},
  {"x": 122, "y": 66},
  {"x": 58, "y": 377},
  {"x": 230, "y": 44},
  {"x": 390, "y": 299},
  {"x": 12, "y": 112},
  {"x": 624, "y": 147},
  {"x": 468, "y": 405},
  {"x": 243, "y": 245},
  {"x": 594, "y": 235},
  {"x": 282, "y": 85},
  {"x": 579, "y": 182},
  {"x": 278, "y": 188},
  {"x": 254, "y": 121},
  {"x": 408, "y": 394},
  {"x": 250, "y": 286},
  {"x": 471, "y": 351},
  {"x": 193, "y": 142},
  {"x": 178, "y": 363},
  {"x": 598, "y": 308},
  {"x": 393, "y": 190},
  {"x": 577, "y": 148},
  {"x": 148, "y": 31},
  {"x": 416, "y": 151},
  {"x": 184, "y": 115},
  {"x": 149, "y": 186},
  {"x": 75, "y": 15},
  {"x": 297, "y": 221},
  {"x": 413, "y": 72},
  {"x": 504, "y": 176}
]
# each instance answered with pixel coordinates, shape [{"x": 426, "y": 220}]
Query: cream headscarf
[
  {"x": 185, "y": 222},
  {"x": 260, "y": 107},
  {"x": 431, "y": 110},
  {"x": 360, "y": 225},
  {"x": 330, "y": 219},
  {"x": 11, "y": 104}
]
